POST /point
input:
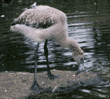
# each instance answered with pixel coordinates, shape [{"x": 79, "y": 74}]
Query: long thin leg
[
  {"x": 51, "y": 76},
  {"x": 35, "y": 87}
]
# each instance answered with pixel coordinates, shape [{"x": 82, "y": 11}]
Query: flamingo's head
[{"x": 79, "y": 58}]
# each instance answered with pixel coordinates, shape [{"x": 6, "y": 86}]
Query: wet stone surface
[{"x": 15, "y": 85}]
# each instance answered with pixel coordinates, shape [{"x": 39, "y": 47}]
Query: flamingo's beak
[
  {"x": 80, "y": 67},
  {"x": 12, "y": 23}
]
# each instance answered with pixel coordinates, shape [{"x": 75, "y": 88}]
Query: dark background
[{"x": 89, "y": 25}]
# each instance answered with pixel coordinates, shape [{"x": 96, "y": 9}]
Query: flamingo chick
[{"x": 42, "y": 23}]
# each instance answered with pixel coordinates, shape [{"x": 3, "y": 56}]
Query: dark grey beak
[
  {"x": 12, "y": 23},
  {"x": 15, "y": 22},
  {"x": 80, "y": 67}
]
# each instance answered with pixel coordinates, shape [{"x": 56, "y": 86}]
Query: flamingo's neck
[{"x": 69, "y": 42}]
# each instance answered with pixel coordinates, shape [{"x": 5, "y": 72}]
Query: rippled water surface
[{"x": 89, "y": 25}]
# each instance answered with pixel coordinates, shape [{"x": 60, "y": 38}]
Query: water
[{"x": 88, "y": 23}]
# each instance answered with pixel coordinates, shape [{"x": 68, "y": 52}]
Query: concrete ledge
[{"x": 16, "y": 85}]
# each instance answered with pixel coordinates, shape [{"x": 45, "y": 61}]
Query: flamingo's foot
[
  {"x": 36, "y": 88},
  {"x": 51, "y": 76}
]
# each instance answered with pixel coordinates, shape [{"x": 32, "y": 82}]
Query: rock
[
  {"x": 67, "y": 81},
  {"x": 17, "y": 84}
]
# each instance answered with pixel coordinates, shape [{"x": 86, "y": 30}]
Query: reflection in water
[{"x": 89, "y": 28}]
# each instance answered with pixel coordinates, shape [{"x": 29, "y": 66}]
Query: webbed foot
[
  {"x": 52, "y": 77},
  {"x": 36, "y": 88}
]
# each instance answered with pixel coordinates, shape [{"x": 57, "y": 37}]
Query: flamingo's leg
[
  {"x": 51, "y": 76},
  {"x": 35, "y": 87}
]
